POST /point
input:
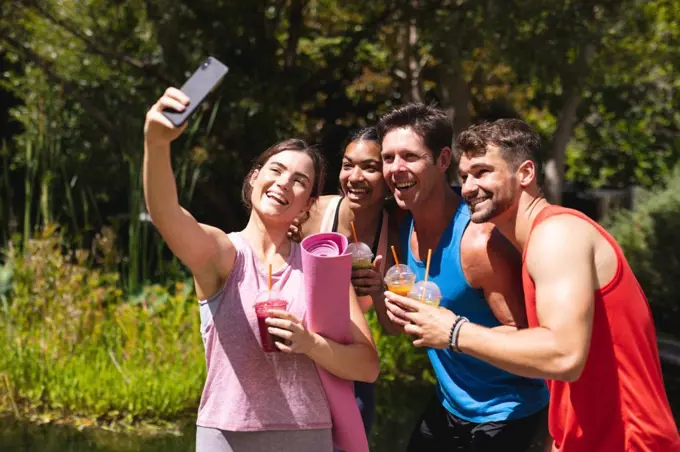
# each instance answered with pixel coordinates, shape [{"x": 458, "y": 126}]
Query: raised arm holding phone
[{"x": 254, "y": 399}]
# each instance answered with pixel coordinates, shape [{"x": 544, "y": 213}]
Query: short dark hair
[
  {"x": 292, "y": 144},
  {"x": 517, "y": 141},
  {"x": 429, "y": 122}
]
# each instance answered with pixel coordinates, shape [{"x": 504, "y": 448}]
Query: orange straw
[
  {"x": 394, "y": 254},
  {"x": 354, "y": 232},
  {"x": 269, "y": 280},
  {"x": 427, "y": 267},
  {"x": 427, "y": 272},
  {"x": 396, "y": 262}
]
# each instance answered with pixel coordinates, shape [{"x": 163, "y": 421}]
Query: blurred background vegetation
[{"x": 98, "y": 324}]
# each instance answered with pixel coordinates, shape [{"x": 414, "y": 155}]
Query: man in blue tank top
[{"x": 478, "y": 407}]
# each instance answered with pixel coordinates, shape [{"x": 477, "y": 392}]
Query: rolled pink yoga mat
[{"x": 327, "y": 271}]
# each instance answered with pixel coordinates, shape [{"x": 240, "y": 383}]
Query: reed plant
[{"x": 65, "y": 178}]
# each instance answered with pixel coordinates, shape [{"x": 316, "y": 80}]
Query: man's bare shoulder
[
  {"x": 476, "y": 237},
  {"x": 474, "y": 256},
  {"x": 485, "y": 252},
  {"x": 562, "y": 229},
  {"x": 482, "y": 240},
  {"x": 557, "y": 237}
]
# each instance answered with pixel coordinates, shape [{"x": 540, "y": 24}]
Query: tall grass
[
  {"x": 143, "y": 241},
  {"x": 6, "y": 211},
  {"x": 70, "y": 342},
  {"x": 55, "y": 169}
]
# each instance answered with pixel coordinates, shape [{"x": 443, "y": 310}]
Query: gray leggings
[{"x": 215, "y": 440}]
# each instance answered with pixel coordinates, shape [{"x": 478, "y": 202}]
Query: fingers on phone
[
  {"x": 177, "y": 95},
  {"x": 165, "y": 121},
  {"x": 155, "y": 115},
  {"x": 166, "y": 102}
]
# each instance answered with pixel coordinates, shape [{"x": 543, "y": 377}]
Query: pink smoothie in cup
[{"x": 262, "y": 311}]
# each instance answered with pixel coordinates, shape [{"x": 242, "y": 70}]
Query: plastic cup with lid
[
  {"x": 427, "y": 292},
  {"x": 362, "y": 256},
  {"x": 399, "y": 279}
]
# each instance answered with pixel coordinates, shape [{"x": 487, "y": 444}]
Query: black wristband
[
  {"x": 453, "y": 328},
  {"x": 456, "y": 333}
]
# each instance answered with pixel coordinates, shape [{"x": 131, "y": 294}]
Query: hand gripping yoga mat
[{"x": 327, "y": 272}]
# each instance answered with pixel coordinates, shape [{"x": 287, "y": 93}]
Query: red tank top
[{"x": 619, "y": 403}]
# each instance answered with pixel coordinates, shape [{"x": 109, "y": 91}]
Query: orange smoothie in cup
[{"x": 400, "y": 279}]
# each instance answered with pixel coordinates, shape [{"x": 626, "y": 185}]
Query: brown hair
[
  {"x": 516, "y": 140},
  {"x": 430, "y": 123},
  {"x": 292, "y": 144}
]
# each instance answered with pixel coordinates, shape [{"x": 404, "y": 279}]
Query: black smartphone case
[{"x": 206, "y": 78}]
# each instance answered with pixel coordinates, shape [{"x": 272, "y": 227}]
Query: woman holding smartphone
[{"x": 252, "y": 400}]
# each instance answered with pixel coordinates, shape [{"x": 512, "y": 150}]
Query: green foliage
[
  {"x": 648, "y": 236},
  {"x": 71, "y": 343},
  {"x": 630, "y": 124},
  {"x": 405, "y": 385}
]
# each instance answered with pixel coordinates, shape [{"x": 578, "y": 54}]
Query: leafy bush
[
  {"x": 648, "y": 235},
  {"x": 70, "y": 341}
]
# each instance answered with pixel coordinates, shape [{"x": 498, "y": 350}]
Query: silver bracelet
[{"x": 456, "y": 333}]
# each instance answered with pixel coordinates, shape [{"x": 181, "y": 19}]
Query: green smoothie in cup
[{"x": 362, "y": 256}]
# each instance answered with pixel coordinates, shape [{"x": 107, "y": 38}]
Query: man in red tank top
[{"x": 591, "y": 333}]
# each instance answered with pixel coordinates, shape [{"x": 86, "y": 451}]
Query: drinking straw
[
  {"x": 396, "y": 262},
  {"x": 354, "y": 232},
  {"x": 394, "y": 254},
  {"x": 427, "y": 273},
  {"x": 269, "y": 280},
  {"x": 427, "y": 266}
]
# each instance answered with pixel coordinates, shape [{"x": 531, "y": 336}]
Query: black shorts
[{"x": 440, "y": 431}]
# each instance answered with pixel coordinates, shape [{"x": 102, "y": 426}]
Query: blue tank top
[{"x": 467, "y": 387}]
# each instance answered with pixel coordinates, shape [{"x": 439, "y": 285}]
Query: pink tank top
[{"x": 247, "y": 389}]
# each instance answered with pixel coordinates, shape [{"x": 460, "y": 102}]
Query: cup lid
[
  {"x": 395, "y": 273},
  {"x": 427, "y": 291},
  {"x": 359, "y": 250}
]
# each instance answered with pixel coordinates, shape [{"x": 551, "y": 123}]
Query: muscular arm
[
  {"x": 207, "y": 251},
  {"x": 561, "y": 263},
  {"x": 492, "y": 264},
  {"x": 355, "y": 361}
]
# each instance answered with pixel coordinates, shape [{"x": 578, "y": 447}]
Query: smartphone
[{"x": 201, "y": 83}]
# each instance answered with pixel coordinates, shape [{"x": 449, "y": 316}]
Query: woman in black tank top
[
  {"x": 363, "y": 200},
  {"x": 376, "y": 240}
]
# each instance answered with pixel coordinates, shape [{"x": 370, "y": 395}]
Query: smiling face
[
  {"x": 361, "y": 178},
  {"x": 489, "y": 185},
  {"x": 409, "y": 169},
  {"x": 281, "y": 189}
]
